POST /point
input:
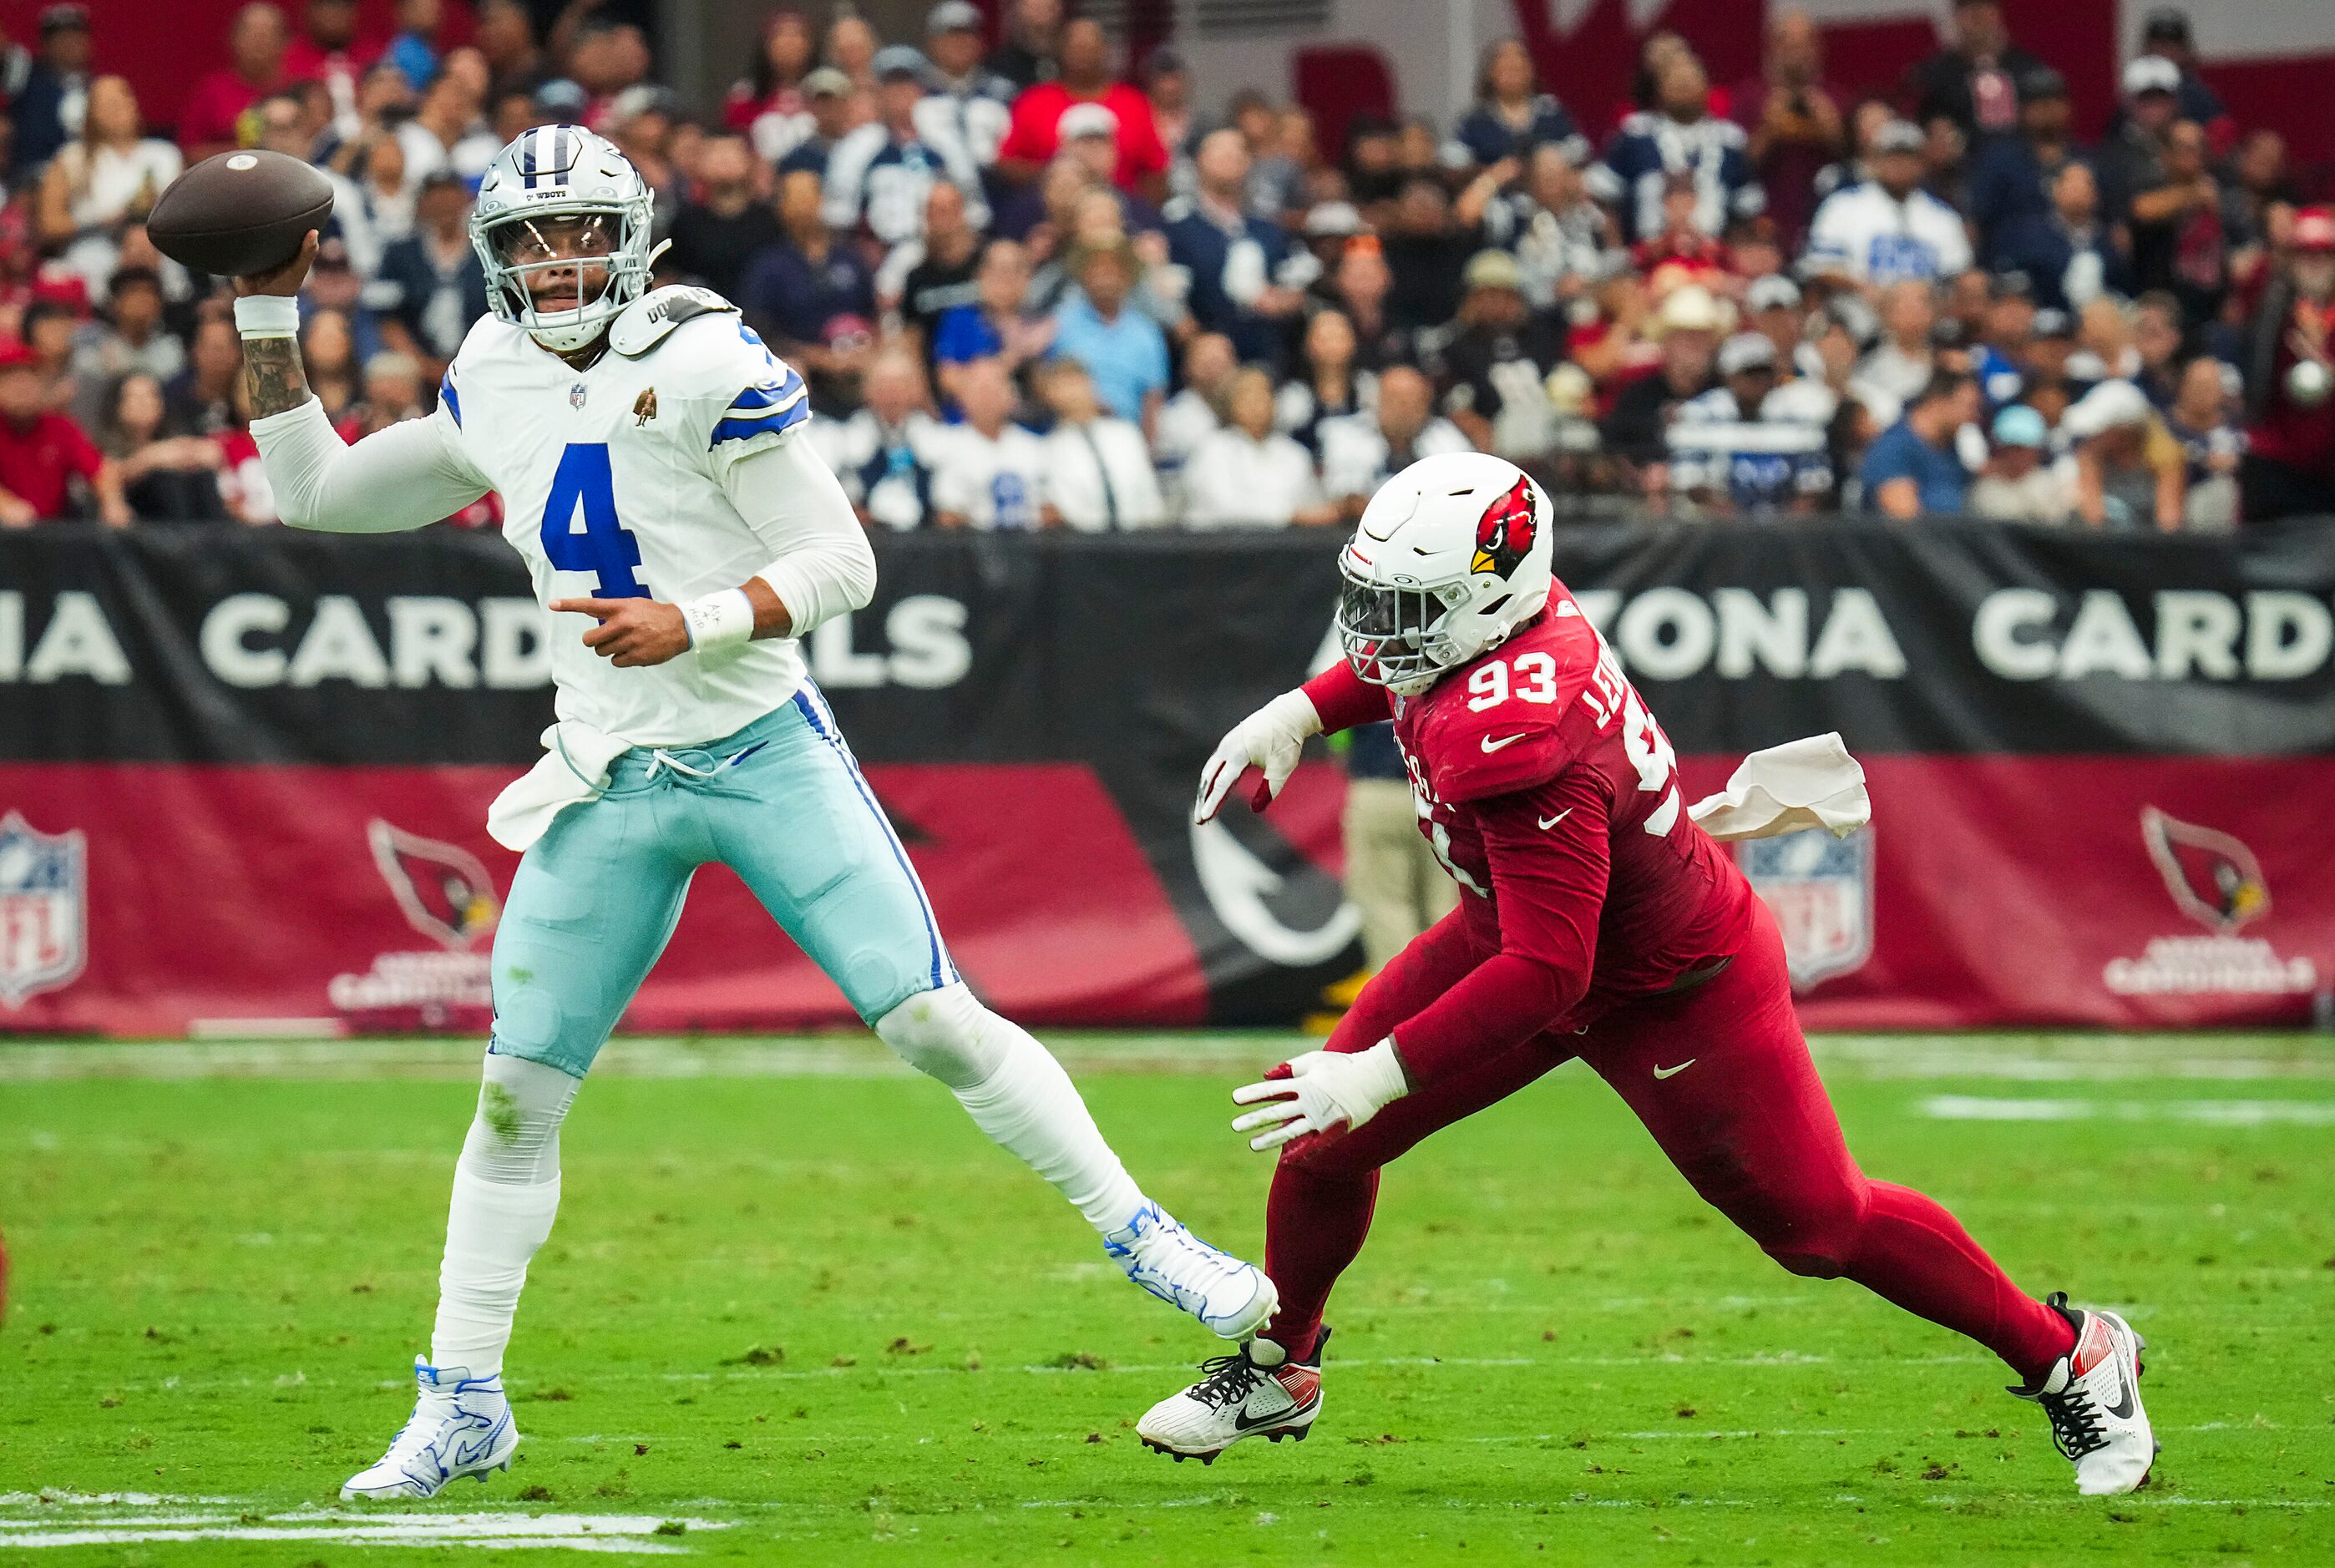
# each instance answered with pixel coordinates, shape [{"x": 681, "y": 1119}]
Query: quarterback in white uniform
[{"x": 649, "y": 453}]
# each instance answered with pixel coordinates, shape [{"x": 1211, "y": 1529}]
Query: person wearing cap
[
  {"x": 2020, "y": 484},
  {"x": 42, "y": 451},
  {"x": 1492, "y": 369},
  {"x": 834, "y": 108},
  {"x": 1034, "y": 135},
  {"x": 1913, "y": 469},
  {"x": 1248, "y": 277},
  {"x": 975, "y": 99},
  {"x": 1680, "y": 133},
  {"x": 1889, "y": 228},
  {"x": 1773, "y": 307},
  {"x": 2165, "y": 32},
  {"x": 1687, "y": 327},
  {"x": 2289, "y": 361},
  {"x": 1973, "y": 81},
  {"x": 2131, "y": 159},
  {"x": 2129, "y": 471},
  {"x": 880, "y": 174},
  {"x": 2011, "y": 175},
  {"x": 1737, "y": 451}
]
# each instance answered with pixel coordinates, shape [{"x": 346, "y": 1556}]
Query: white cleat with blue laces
[
  {"x": 1232, "y": 1298},
  {"x": 460, "y": 1426}
]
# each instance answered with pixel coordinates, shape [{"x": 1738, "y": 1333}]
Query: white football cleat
[
  {"x": 460, "y": 1426},
  {"x": 1257, "y": 1391},
  {"x": 2092, "y": 1397},
  {"x": 1232, "y": 1298}
]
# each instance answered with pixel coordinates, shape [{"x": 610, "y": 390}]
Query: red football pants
[{"x": 1748, "y": 1124}]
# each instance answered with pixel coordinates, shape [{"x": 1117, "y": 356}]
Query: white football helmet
[
  {"x": 1451, "y": 557},
  {"x": 559, "y": 198}
]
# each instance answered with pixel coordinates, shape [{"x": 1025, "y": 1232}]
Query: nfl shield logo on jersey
[
  {"x": 1820, "y": 889},
  {"x": 43, "y": 909}
]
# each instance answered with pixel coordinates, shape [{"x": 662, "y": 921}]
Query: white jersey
[
  {"x": 1879, "y": 240},
  {"x": 612, "y": 485},
  {"x": 992, "y": 484}
]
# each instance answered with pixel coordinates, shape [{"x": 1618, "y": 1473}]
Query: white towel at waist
[{"x": 574, "y": 770}]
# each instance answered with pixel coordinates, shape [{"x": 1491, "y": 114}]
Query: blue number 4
[{"x": 605, "y": 546}]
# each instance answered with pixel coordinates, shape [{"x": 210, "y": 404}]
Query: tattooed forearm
[{"x": 272, "y": 370}]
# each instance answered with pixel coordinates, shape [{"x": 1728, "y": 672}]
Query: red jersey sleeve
[
  {"x": 1549, "y": 857},
  {"x": 1344, "y": 700}
]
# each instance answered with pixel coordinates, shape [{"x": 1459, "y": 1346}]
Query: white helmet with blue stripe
[{"x": 558, "y": 206}]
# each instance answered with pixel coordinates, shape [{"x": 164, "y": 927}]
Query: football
[{"x": 238, "y": 213}]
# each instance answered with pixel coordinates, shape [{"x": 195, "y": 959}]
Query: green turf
[{"x": 820, "y": 1311}]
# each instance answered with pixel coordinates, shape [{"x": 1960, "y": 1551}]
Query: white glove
[
  {"x": 1325, "y": 1090},
  {"x": 1269, "y": 740}
]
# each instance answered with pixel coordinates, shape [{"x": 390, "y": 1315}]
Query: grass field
[{"x": 797, "y": 1310}]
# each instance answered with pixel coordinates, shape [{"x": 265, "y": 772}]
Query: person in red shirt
[
  {"x": 1596, "y": 919},
  {"x": 2289, "y": 468},
  {"x": 327, "y": 51},
  {"x": 1034, "y": 135},
  {"x": 256, "y": 42},
  {"x": 41, "y": 452}
]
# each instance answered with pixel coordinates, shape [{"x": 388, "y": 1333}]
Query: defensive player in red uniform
[{"x": 1597, "y": 920}]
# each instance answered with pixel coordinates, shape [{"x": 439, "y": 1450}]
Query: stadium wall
[{"x": 244, "y": 775}]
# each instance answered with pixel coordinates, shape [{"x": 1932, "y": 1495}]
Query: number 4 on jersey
[{"x": 603, "y": 547}]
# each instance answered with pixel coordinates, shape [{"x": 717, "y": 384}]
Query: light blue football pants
[{"x": 783, "y": 804}]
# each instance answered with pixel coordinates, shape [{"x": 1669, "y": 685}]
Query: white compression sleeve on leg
[
  {"x": 506, "y": 1194},
  {"x": 1017, "y": 1093}
]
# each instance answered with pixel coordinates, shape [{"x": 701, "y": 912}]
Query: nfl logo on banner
[
  {"x": 43, "y": 909},
  {"x": 1820, "y": 890}
]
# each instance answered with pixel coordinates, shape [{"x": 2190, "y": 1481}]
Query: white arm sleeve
[
  {"x": 406, "y": 477},
  {"x": 821, "y": 566}
]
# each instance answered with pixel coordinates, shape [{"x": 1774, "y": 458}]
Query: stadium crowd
[{"x": 1031, "y": 285}]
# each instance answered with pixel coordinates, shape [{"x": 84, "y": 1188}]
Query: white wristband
[
  {"x": 267, "y": 315},
  {"x": 717, "y": 621}
]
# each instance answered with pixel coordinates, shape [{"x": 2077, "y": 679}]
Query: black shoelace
[
  {"x": 1229, "y": 1381},
  {"x": 2074, "y": 1417}
]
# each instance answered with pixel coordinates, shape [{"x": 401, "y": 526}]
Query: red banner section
[{"x": 1989, "y": 890}]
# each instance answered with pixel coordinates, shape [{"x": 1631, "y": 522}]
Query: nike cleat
[
  {"x": 2092, "y": 1398},
  {"x": 460, "y": 1426},
  {"x": 1232, "y": 1298},
  {"x": 1257, "y": 1391}
]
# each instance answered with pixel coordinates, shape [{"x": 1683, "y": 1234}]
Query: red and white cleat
[
  {"x": 2092, "y": 1398},
  {"x": 1258, "y": 1392}
]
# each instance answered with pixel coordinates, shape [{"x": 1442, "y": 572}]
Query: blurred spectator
[
  {"x": 767, "y": 104},
  {"x": 1167, "y": 87},
  {"x": 2288, "y": 470},
  {"x": 2211, "y": 442},
  {"x": 1425, "y": 252},
  {"x": 1034, "y": 135},
  {"x": 1999, "y": 358},
  {"x": 49, "y": 109},
  {"x": 812, "y": 296},
  {"x": 1363, "y": 450},
  {"x": 103, "y": 179},
  {"x": 1565, "y": 243},
  {"x": 431, "y": 285},
  {"x": 202, "y": 398},
  {"x": 1945, "y": 162},
  {"x": 256, "y": 42},
  {"x": 1901, "y": 363},
  {"x": 1186, "y": 418},
  {"x": 1493, "y": 366},
  {"x": 1772, "y": 307},
  {"x": 834, "y": 111},
  {"x": 1974, "y": 80},
  {"x": 130, "y": 339},
  {"x": 1687, "y": 328},
  {"x": 1680, "y": 133},
  {"x": 1247, "y": 277},
  {"x": 879, "y": 175},
  {"x": 2011, "y": 182},
  {"x": 884, "y": 453},
  {"x": 282, "y": 127},
  {"x": 2165, "y": 34},
  {"x": 1738, "y": 451},
  {"x": 717, "y": 235},
  {"x": 929, "y": 276},
  {"x": 325, "y": 51},
  {"x": 606, "y": 57},
  {"x": 2258, "y": 181},
  {"x": 2072, "y": 256},
  {"x": 1122, "y": 349},
  {"x": 328, "y": 357},
  {"x": 1098, "y": 472},
  {"x": 1680, "y": 247},
  {"x": 1512, "y": 115},
  {"x": 416, "y": 49},
  {"x": 42, "y": 451},
  {"x": 2129, "y": 471},
  {"x": 1276, "y": 180},
  {"x": 1889, "y": 229},
  {"x": 165, "y": 478},
  {"x": 851, "y": 47},
  {"x": 2178, "y": 243},
  {"x": 1361, "y": 288},
  {"x": 2019, "y": 486},
  {"x": 1030, "y": 51},
  {"x": 988, "y": 472},
  {"x": 2132, "y": 159},
  {"x": 2157, "y": 340},
  {"x": 969, "y": 97},
  {"x": 1913, "y": 469},
  {"x": 1328, "y": 385},
  {"x": 47, "y": 329},
  {"x": 505, "y": 38},
  {"x": 1247, "y": 473},
  {"x": 992, "y": 325},
  {"x": 1793, "y": 121},
  {"x": 446, "y": 133},
  {"x": 392, "y": 392}
]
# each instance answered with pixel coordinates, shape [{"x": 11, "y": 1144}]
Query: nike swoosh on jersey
[
  {"x": 1492, "y": 745},
  {"x": 1662, "y": 1073},
  {"x": 1548, "y": 822}
]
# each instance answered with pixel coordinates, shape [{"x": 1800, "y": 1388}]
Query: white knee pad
[
  {"x": 513, "y": 1140},
  {"x": 947, "y": 1034}
]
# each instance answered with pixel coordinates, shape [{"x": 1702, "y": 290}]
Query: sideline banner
[{"x": 244, "y": 774}]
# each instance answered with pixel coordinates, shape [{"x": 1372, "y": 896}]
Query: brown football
[{"x": 238, "y": 213}]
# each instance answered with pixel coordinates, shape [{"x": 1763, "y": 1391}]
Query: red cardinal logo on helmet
[{"x": 1504, "y": 536}]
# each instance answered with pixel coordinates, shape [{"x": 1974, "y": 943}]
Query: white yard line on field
[
  {"x": 32, "y": 1520},
  {"x": 2209, "y": 1112}
]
